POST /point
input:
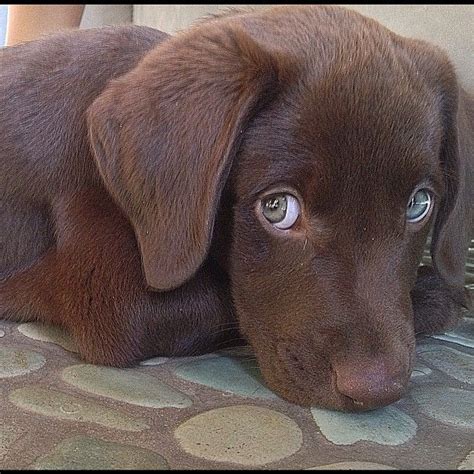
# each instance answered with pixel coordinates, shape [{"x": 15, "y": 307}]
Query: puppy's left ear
[
  {"x": 453, "y": 227},
  {"x": 165, "y": 134}
]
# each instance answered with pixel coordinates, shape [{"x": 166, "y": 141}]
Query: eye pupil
[
  {"x": 281, "y": 210},
  {"x": 275, "y": 208},
  {"x": 418, "y": 206},
  {"x": 273, "y": 204}
]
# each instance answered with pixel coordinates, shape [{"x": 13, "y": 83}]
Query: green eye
[
  {"x": 419, "y": 205},
  {"x": 281, "y": 210}
]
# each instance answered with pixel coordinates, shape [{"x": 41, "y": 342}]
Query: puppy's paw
[{"x": 437, "y": 306}]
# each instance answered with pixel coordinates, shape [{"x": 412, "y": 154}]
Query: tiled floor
[{"x": 214, "y": 412}]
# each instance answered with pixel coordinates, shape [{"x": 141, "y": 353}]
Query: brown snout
[
  {"x": 371, "y": 383},
  {"x": 352, "y": 379}
]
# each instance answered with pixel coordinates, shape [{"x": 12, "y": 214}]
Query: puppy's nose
[{"x": 371, "y": 383}]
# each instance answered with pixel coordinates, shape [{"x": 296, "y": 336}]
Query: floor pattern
[{"x": 214, "y": 412}]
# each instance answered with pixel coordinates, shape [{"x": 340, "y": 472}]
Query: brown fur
[{"x": 131, "y": 164}]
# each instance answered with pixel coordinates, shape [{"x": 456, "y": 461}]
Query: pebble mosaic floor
[{"x": 214, "y": 412}]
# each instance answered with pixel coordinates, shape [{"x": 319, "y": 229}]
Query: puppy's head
[{"x": 314, "y": 148}]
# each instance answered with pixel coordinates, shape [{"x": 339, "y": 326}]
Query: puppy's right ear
[
  {"x": 454, "y": 225},
  {"x": 454, "y": 221},
  {"x": 165, "y": 134}
]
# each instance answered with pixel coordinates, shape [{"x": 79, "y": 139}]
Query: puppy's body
[
  {"x": 67, "y": 252},
  {"x": 131, "y": 161},
  {"x": 45, "y": 89}
]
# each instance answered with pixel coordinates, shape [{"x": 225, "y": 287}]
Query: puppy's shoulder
[{"x": 117, "y": 39}]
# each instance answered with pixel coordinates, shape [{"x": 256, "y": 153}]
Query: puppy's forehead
[
  {"x": 314, "y": 34},
  {"x": 357, "y": 108}
]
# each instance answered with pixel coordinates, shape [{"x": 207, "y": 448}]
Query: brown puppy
[{"x": 281, "y": 169}]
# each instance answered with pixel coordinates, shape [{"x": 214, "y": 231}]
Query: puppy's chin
[
  {"x": 300, "y": 392},
  {"x": 318, "y": 388},
  {"x": 319, "y": 397},
  {"x": 322, "y": 396}
]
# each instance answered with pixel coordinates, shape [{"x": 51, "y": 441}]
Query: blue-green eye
[{"x": 419, "y": 205}]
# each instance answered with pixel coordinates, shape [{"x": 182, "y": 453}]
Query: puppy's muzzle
[{"x": 371, "y": 383}]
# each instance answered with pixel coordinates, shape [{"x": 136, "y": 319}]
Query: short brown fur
[{"x": 131, "y": 168}]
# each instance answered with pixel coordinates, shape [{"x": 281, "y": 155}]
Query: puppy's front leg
[
  {"x": 92, "y": 284},
  {"x": 437, "y": 306}
]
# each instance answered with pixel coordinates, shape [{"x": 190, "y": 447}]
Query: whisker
[
  {"x": 227, "y": 325},
  {"x": 223, "y": 330}
]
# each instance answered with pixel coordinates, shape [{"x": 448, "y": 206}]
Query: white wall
[
  {"x": 171, "y": 18},
  {"x": 101, "y": 15}
]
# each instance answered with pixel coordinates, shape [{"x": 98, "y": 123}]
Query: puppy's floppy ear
[
  {"x": 164, "y": 136},
  {"x": 453, "y": 227}
]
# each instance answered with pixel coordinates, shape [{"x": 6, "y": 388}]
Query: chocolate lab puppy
[{"x": 277, "y": 170}]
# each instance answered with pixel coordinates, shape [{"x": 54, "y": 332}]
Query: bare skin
[{"x": 29, "y": 22}]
